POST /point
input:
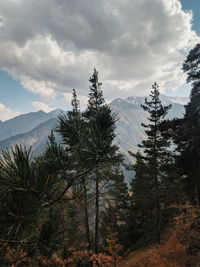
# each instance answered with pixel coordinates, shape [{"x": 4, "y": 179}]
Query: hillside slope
[
  {"x": 25, "y": 123},
  {"x": 22, "y": 129},
  {"x": 36, "y": 138},
  {"x": 129, "y": 130},
  {"x": 180, "y": 244}
]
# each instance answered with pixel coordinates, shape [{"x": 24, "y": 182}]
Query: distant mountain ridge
[
  {"x": 24, "y": 123},
  {"x": 129, "y": 130},
  {"x": 32, "y": 129},
  {"x": 36, "y": 138}
]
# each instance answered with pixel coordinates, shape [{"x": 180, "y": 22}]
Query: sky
[{"x": 49, "y": 47}]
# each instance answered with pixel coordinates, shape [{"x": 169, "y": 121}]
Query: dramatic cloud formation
[
  {"x": 52, "y": 46},
  {"x": 7, "y": 113}
]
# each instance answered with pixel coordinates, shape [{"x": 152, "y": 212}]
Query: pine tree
[
  {"x": 70, "y": 125},
  {"x": 71, "y": 128},
  {"x": 140, "y": 218},
  {"x": 154, "y": 153},
  {"x": 141, "y": 185},
  {"x": 55, "y": 157},
  {"x": 28, "y": 189},
  {"x": 99, "y": 150},
  {"x": 117, "y": 201},
  {"x": 191, "y": 67},
  {"x": 89, "y": 139},
  {"x": 96, "y": 99},
  {"x": 187, "y": 130}
]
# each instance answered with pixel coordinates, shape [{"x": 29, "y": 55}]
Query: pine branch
[{"x": 52, "y": 202}]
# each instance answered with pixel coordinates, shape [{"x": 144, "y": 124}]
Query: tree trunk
[
  {"x": 96, "y": 240},
  {"x": 87, "y": 227},
  {"x": 158, "y": 220},
  {"x": 157, "y": 203},
  {"x": 157, "y": 200}
]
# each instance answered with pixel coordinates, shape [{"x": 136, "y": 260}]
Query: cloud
[
  {"x": 6, "y": 113},
  {"x": 41, "y": 106},
  {"x": 52, "y": 46}
]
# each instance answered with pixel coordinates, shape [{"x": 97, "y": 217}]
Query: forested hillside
[{"x": 71, "y": 206}]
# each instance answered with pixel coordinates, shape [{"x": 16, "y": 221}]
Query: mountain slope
[
  {"x": 32, "y": 129},
  {"x": 35, "y": 138},
  {"x": 129, "y": 130},
  {"x": 180, "y": 243},
  {"x": 24, "y": 123}
]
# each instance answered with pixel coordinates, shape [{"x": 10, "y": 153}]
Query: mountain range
[{"x": 32, "y": 129}]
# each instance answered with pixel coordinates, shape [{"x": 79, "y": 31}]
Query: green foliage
[
  {"x": 20, "y": 194},
  {"x": 70, "y": 125},
  {"x": 117, "y": 202},
  {"x": 192, "y": 67},
  {"x": 75, "y": 194},
  {"x": 99, "y": 150},
  {"x": 30, "y": 196},
  {"x": 99, "y": 136},
  {"x": 187, "y": 130},
  {"x": 149, "y": 185},
  {"x": 88, "y": 138},
  {"x": 96, "y": 99}
]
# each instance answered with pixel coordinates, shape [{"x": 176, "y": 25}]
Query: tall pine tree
[
  {"x": 71, "y": 128},
  {"x": 154, "y": 150},
  {"x": 99, "y": 150},
  {"x": 187, "y": 130}
]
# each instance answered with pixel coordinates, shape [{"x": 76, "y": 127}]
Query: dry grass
[{"x": 173, "y": 251}]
